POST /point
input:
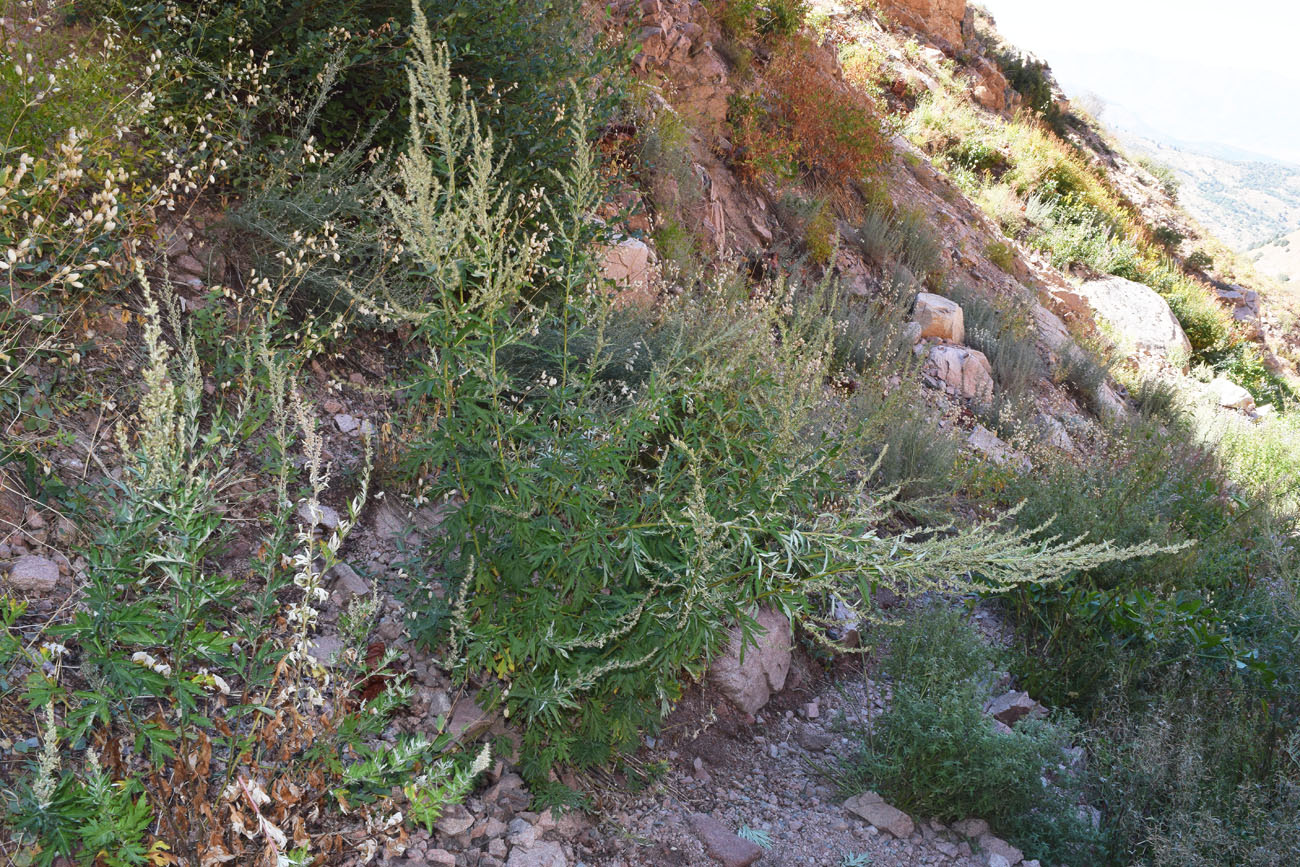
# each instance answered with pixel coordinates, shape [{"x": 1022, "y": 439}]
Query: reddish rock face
[{"x": 941, "y": 18}]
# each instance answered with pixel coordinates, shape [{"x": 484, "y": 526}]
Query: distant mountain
[
  {"x": 1279, "y": 258},
  {"x": 1245, "y": 199}
]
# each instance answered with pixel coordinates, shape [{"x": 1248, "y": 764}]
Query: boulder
[
  {"x": 967, "y": 371},
  {"x": 723, "y": 846},
  {"x": 1012, "y": 707},
  {"x": 32, "y": 574},
  {"x": 750, "y": 682},
  {"x": 875, "y": 811},
  {"x": 1139, "y": 317},
  {"x": 1230, "y": 395},
  {"x": 939, "y": 317}
]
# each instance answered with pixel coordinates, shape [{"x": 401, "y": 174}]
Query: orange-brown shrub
[{"x": 806, "y": 120}]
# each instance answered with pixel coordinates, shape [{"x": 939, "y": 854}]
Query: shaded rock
[
  {"x": 318, "y": 516},
  {"x": 346, "y": 423},
  {"x": 815, "y": 741},
  {"x": 874, "y": 810},
  {"x": 1012, "y": 707},
  {"x": 972, "y": 828},
  {"x": 468, "y": 720},
  {"x": 33, "y": 574},
  {"x": 347, "y": 584},
  {"x": 997, "y": 846},
  {"x": 748, "y": 675},
  {"x": 543, "y": 853},
  {"x": 722, "y": 845},
  {"x": 456, "y": 820},
  {"x": 439, "y": 858},
  {"x": 939, "y": 317},
  {"x": 324, "y": 647}
]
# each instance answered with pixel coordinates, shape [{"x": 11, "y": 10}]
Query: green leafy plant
[{"x": 933, "y": 751}]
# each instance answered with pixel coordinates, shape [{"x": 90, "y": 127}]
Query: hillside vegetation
[{"x": 417, "y": 414}]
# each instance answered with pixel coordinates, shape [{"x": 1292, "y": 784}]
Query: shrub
[
  {"x": 1008, "y": 337},
  {"x": 933, "y": 752},
  {"x": 1082, "y": 373},
  {"x": 919, "y": 246},
  {"x": 1157, "y": 398},
  {"x": 821, "y": 236},
  {"x": 877, "y": 237},
  {"x": 1001, "y": 254},
  {"x": 1199, "y": 260},
  {"x": 607, "y": 534},
  {"x": 832, "y": 131}
]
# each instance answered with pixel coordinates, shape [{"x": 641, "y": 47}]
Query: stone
[
  {"x": 878, "y": 814},
  {"x": 1012, "y": 707},
  {"x": 987, "y": 443},
  {"x": 997, "y": 846},
  {"x": 815, "y": 741},
  {"x": 939, "y": 317},
  {"x": 346, "y": 423},
  {"x": 628, "y": 265},
  {"x": 722, "y": 845},
  {"x": 1139, "y": 317},
  {"x": 324, "y": 648},
  {"x": 347, "y": 584},
  {"x": 1051, "y": 328},
  {"x": 468, "y": 720},
  {"x": 439, "y": 858},
  {"x": 966, "y": 370},
  {"x": 33, "y": 574},
  {"x": 510, "y": 792},
  {"x": 541, "y": 854},
  {"x": 748, "y": 675},
  {"x": 1229, "y": 395},
  {"x": 456, "y": 820},
  {"x": 1055, "y": 434},
  {"x": 521, "y": 833},
  {"x": 996, "y": 860},
  {"x": 319, "y": 515},
  {"x": 912, "y": 333},
  {"x": 971, "y": 828}
]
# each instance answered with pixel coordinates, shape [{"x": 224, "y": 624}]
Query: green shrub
[
  {"x": 608, "y": 533},
  {"x": 933, "y": 752},
  {"x": 877, "y": 237},
  {"x": 919, "y": 246},
  {"x": 1001, "y": 254},
  {"x": 1199, "y": 260},
  {"x": 1157, "y": 398}
]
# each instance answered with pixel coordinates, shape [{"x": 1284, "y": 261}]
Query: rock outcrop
[{"x": 939, "y": 18}]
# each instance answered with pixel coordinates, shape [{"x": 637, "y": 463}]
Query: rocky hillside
[
  {"x": 532, "y": 434},
  {"x": 1245, "y": 202},
  {"x": 1278, "y": 258}
]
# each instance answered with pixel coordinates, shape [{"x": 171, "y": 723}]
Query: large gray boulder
[
  {"x": 748, "y": 684},
  {"x": 1139, "y": 318}
]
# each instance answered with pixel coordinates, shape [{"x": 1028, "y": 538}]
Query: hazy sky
[{"x": 1195, "y": 70}]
